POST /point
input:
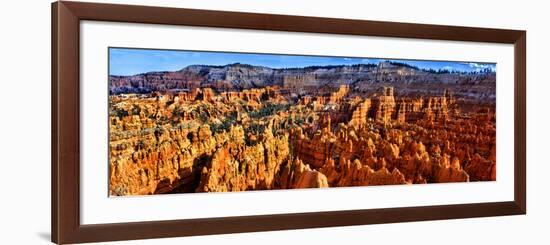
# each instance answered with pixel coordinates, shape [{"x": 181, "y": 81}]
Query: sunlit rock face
[{"x": 243, "y": 128}]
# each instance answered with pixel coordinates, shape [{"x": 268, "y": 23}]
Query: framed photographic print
[{"x": 177, "y": 122}]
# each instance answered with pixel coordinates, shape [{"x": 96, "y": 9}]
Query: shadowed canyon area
[{"x": 242, "y": 127}]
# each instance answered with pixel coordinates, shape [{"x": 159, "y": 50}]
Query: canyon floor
[{"x": 203, "y": 140}]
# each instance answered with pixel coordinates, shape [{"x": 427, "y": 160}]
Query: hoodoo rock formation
[{"x": 240, "y": 127}]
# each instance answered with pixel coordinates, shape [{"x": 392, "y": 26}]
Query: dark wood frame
[{"x": 66, "y": 227}]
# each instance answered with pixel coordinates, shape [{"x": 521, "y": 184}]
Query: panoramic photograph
[{"x": 204, "y": 121}]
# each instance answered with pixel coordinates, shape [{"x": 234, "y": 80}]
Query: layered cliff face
[
  {"x": 367, "y": 78},
  {"x": 276, "y": 137}
]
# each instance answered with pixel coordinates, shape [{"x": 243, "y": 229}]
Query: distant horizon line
[{"x": 321, "y": 66}]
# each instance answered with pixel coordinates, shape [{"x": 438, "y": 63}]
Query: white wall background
[{"x": 25, "y": 121}]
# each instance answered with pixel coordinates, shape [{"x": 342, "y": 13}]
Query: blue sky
[{"x": 126, "y": 61}]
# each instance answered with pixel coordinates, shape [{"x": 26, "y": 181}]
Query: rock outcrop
[{"x": 296, "y": 175}]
